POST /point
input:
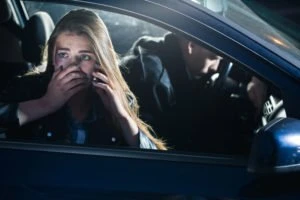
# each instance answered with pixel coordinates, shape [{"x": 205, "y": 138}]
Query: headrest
[
  {"x": 35, "y": 35},
  {"x": 5, "y": 12}
]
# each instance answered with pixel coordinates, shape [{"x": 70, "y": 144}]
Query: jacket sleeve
[
  {"x": 145, "y": 142},
  {"x": 19, "y": 89},
  {"x": 8, "y": 115}
]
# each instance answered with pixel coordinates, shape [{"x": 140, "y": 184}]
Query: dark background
[{"x": 289, "y": 9}]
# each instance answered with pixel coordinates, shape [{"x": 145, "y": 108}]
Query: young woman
[{"x": 84, "y": 98}]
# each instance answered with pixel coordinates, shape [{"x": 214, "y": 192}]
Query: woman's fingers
[
  {"x": 73, "y": 75},
  {"x": 64, "y": 79},
  {"x": 74, "y": 83},
  {"x": 64, "y": 72},
  {"x": 103, "y": 87},
  {"x": 76, "y": 88},
  {"x": 101, "y": 81},
  {"x": 56, "y": 72},
  {"x": 109, "y": 96},
  {"x": 100, "y": 77}
]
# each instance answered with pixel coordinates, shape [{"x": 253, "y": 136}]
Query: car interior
[{"x": 22, "y": 46}]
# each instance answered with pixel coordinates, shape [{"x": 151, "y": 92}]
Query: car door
[{"x": 49, "y": 171}]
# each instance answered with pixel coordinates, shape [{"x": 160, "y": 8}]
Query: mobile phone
[
  {"x": 97, "y": 80},
  {"x": 97, "y": 68}
]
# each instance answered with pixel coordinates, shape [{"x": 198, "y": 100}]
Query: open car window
[{"x": 194, "y": 99}]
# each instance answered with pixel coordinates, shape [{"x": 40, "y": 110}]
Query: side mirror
[{"x": 276, "y": 147}]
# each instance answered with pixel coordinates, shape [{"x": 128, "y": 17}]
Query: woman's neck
[{"x": 80, "y": 104}]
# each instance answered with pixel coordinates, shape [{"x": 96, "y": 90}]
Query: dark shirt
[{"x": 197, "y": 117}]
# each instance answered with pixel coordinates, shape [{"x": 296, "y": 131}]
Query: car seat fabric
[
  {"x": 5, "y": 12},
  {"x": 10, "y": 49},
  {"x": 36, "y": 33},
  {"x": 34, "y": 37}
]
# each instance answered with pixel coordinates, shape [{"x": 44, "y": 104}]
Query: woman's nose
[{"x": 75, "y": 61}]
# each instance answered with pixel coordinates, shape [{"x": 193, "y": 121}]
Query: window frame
[{"x": 238, "y": 53}]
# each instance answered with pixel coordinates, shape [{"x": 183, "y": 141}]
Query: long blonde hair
[{"x": 83, "y": 21}]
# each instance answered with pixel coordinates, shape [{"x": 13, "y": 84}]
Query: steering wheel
[
  {"x": 221, "y": 81},
  {"x": 229, "y": 86},
  {"x": 233, "y": 90}
]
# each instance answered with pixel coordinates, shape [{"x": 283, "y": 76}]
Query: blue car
[{"x": 238, "y": 138}]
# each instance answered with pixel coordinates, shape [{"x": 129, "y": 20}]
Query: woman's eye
[
  {"x": 62, "y": 55},
  {"x": 85, "y": 57}
]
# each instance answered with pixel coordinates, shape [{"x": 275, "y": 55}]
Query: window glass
[
  {"x": 195, "y": 100},
  {"x": 277, "y": 33},
  {"x": 131, "y": 27}
]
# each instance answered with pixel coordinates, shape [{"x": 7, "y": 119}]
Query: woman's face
[{"x": 73, "y": 50}]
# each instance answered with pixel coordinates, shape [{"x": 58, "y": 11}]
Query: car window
[{"x": 194, "y": 99}]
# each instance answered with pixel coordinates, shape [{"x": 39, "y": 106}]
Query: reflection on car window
[
  {"x": 131, "y": 27},
  {"x": 261, "y": 22}
]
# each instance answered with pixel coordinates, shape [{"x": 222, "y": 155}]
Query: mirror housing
[
  {"x": 217, "y": 6},
  {"x": 276, "y": 147}
]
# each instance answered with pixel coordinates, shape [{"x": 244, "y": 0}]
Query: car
[{"x": 252, "y": 40}]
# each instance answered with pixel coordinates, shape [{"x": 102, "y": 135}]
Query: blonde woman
[{"x": 84, "y": 98}]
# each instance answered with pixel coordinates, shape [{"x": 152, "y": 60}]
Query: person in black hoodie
[{"x": 175, "y": 82}]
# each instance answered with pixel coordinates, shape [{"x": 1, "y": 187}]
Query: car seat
[
  {"x": 35, "y": 35},
  {"x": 33, "y": 38},
  {"x": 10, "y": 49}
]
